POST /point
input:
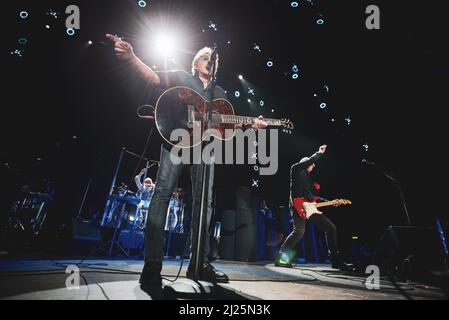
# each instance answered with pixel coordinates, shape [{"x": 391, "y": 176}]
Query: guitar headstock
[
  {"x": 288, "y": 125},
  {"x": 344, "y": 201}
]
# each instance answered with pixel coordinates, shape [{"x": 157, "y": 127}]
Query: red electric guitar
[{"x": 307, "y": 208}]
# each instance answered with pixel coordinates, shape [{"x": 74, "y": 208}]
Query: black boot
[
  {"x": 208, "y": 273},
  {"x": 151, "y": 276}
]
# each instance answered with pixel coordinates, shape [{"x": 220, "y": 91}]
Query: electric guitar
[
  {"x": 307, "y": 208},
  {"x": 183, "y": 108}
]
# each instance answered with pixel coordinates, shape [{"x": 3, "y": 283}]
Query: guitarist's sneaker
[
  {"x": 283, "y": 260},
  {"x": 283, "y": 264}
]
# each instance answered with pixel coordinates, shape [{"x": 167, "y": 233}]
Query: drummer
[{"x": 144, "y": 193}]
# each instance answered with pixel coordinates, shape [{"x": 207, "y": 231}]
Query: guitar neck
[
  {"x": 326, "y": 203},
  {"x": 233, "y": 119}
]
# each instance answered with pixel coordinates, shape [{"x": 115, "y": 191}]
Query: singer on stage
[{"x": 199, "y": 80}]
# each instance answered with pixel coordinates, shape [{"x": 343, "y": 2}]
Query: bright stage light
[
  {"x": 249, "y": 100},
  {"x": 294, "y": 4},
  {"x": 165, "y": 44},
  {"x": 269, "y": 63},
  {"x": 295, "y": 76},
  {"x": 23, "y": 41},
  {"x": 322, "y": 105},
  {"x": 261, "y": 103},
  {"x": 89, "y": 42},
  {"x": 240, "y": 77},
  {"x": 237, "y": 94},
  {"x": 142, "y": 4}
]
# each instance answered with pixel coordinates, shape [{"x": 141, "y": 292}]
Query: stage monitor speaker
[
  {"x": 410, "y": 252},
  {"x": 85, "y": 230},
  {"x": 85, "y": 236}
]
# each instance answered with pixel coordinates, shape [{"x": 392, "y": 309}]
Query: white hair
[{"x": 202, "y": 51}]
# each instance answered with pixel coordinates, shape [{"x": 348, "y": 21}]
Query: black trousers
[
  {"x": 167, "y": 178},
  {"x": 299, "y": 227}
]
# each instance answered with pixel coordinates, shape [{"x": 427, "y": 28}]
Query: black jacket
[{"x": 301, "y": 184}]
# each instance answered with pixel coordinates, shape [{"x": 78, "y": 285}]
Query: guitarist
[
  {"x": 303, "y": 187},
  {"x": 168, "y": 174}
]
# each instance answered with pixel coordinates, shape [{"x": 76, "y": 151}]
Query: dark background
[{"x": 73, "y": 105}]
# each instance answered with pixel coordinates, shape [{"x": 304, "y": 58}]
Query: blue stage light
[
  {"x": 319, "y": 21},
  {"x": 250, "y": 90},
  {"x": 348, "y": 120},
  {"x": 294, "y": 4},
  {"x": 17, "y": 52},
  {"x": 269, "y": 63},
  {"x": 323, "y": 105},
  {"x": 295, "y": 68},
  {"x": 23, "y": 41},
  {"x": 142, "y": 4},
  {"x": 70, "y": 31},
  {"x": 23, "y": 14},
  {"x": 366, "y": 146},
  {"x": 55, "y": 14},
  {"x": 237, "y": 94},
  {"x": 261, "y": 103},
  {"x": 295, "y": 76},
  {"x": 213, "y": 26}
]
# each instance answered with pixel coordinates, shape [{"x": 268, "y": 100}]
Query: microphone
[
  {"x": 368, "y": 162},
  {"x": 213, "y": 57}
]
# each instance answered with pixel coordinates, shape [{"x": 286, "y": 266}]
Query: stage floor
[{"x": 102, "y": 279}]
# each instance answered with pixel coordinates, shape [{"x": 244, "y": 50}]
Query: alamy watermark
[
  {"x": 372, "y": 282},
  {"x": 372, "y": 22},
  {"x": 218, "y": 151},
  {"x": 73, "y": 20},
  {"x": 73, "y": 280}
]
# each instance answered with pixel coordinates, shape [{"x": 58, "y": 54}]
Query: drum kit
[{"x": 127, "y": 211}]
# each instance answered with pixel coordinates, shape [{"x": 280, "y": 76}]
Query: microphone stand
[
  {"x": 396, "y": 182},
  {"x": 199, "y": 246},
  {"x": 198, "y": 288}
]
